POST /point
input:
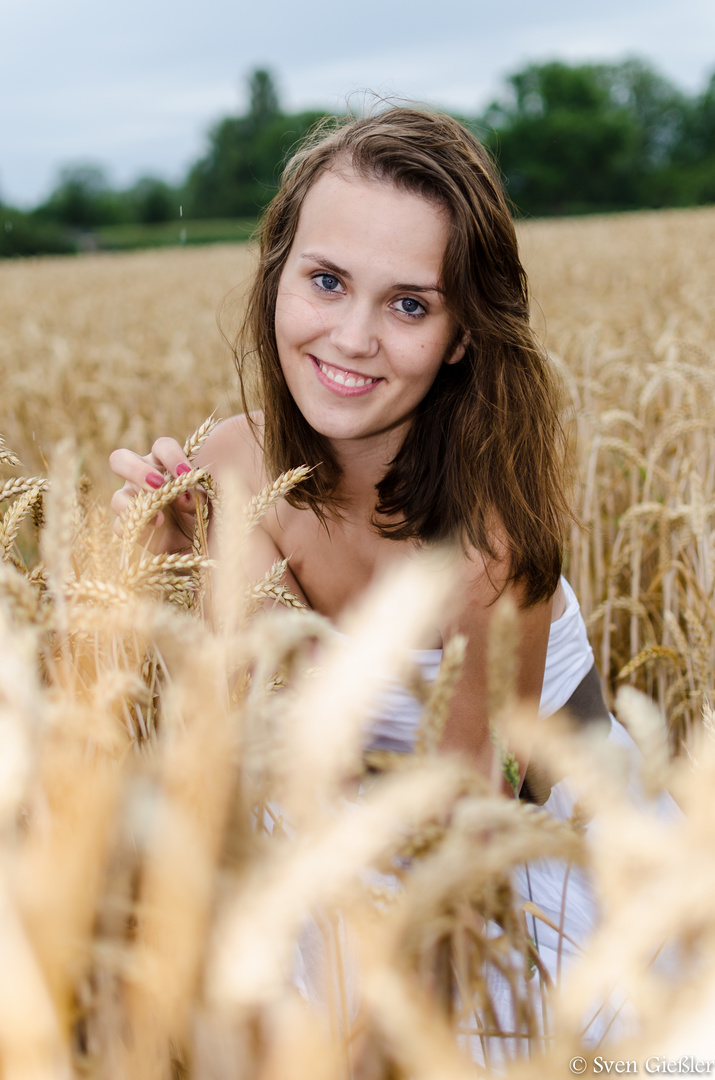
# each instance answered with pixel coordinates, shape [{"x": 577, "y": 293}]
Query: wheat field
[{"x": 185, "y": 888}]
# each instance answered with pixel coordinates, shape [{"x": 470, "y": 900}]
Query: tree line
[
  {"x": 568, "y": 139},
  {"x": 602, "y": 137}
]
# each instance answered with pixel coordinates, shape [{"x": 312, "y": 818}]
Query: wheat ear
[
  {"x": 436, "y": 711},
  {"x": 269, "y": 587},
  {"x": 7, "y": 457},
  {"x": 20, "y": 484},
  {"x": 148, "y": 503},
  {"x": 199, "y": 437},
  {"x": 13, "y": 517},
  {"x": 261, "y": 503}
]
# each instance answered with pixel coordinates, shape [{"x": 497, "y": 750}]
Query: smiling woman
[
  {"x": 464, "y": 467},
  {"x": 349, "y": 325},
  {"x": 389, "y": 325}
]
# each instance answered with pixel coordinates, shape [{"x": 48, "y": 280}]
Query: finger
[
  {"x": 186, "y": 503},
  {"x": 150, "y": 472},
  {"x": 171, "y": 456},
  {"x": 141, "y": 473},
  {"x": 120, "y": 499}
]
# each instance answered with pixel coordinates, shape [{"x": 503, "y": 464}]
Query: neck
[{"x": 363, "y": 464}]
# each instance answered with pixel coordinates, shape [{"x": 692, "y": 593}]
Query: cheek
[
  {"x": 297, "y": 320},
  {"x": 422, "y": 358}
]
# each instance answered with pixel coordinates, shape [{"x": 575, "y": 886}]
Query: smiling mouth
[{"x": 349, "y": 379}]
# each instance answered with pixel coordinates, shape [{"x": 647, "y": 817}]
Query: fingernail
[
  {"x": 154, "y": 480},
  {"x": 183, "y": 468}
]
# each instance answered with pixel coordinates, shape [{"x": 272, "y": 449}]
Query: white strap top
[{"x": 569, "y": 658}]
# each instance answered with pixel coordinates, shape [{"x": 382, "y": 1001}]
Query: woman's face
[{"x": 361, "y": 324}]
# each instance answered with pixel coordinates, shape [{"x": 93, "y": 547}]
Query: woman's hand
[{"x": 171, "y": 527}]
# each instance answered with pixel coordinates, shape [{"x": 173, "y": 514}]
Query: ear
[{"x": 458, "y": 350}]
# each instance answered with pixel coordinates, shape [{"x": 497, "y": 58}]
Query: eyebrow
[{"x": 339, "y": 271}]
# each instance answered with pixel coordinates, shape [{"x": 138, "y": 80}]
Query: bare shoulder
[
  {"x": 483, "y": 582},
  {"x": 485, "y": 577},
  {"x": 235, "y": 446}
]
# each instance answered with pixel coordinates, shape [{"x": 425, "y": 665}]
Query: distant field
[
  {"x": 172, "y": 234},
  {"x": 113, "y": 349}
]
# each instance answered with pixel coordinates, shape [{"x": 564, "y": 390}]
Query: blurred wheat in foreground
[{"x": 193, "y": 885}]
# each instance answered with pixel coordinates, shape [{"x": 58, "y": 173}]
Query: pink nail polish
[
  {"x": 183, "y": 468},
  {"x": 154, "y": 480}
]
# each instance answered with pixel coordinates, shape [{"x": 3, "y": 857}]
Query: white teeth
[{"x": 350, "y": 380}]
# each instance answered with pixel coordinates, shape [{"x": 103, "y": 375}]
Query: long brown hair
[{"x": 486, "y": 445}]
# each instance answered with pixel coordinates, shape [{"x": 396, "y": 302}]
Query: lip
[{"x": 337, "y": 388}]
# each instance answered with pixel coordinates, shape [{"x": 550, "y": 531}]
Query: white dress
[
  {"x": 394, "y": 728},
  {"x": 561, "y": 891},
  {"x": 569, "y": 658}
]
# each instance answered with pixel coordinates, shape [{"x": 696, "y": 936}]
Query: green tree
[
  {"x": 153, "y": 201},
  {"x": 263, "y": 96},
  {"x": 26, "y": 234},
  {"x": 239, "y": 173},
  {"x": 562, "y": 144},
  {"x": 571, "y": 138},
  {"x": 83, "y": 199},
  {"x": 690, "y": 177}
]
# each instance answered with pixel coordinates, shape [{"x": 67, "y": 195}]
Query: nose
[{"x": 355, "y": 332}]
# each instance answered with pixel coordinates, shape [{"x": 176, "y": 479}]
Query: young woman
[
  {"x": 388, "y": 328},
  {"x": 388, "y": 325}
]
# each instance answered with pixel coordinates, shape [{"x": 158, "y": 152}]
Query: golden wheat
[
  {"x": 192, "y": 868},
  {"x": 178, "y": 851}
]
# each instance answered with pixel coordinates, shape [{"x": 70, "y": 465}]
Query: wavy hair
[{"x": 486, "y": 446}]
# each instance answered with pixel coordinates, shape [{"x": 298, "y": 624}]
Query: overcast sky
[{"x": 135, "y": 85}]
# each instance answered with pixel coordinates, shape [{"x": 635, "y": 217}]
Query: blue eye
[
  {"x": 410, "y": 306},
  {"x": 327, "y": 282}
]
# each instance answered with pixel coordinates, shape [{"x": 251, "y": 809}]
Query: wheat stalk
[
  {"x": 14, "y": 516},
  {"x": 436, "y": 711},
  {"x": 148, "y": 503},
  {"x": 196, "y": 440},
  {"x": 260, "y": 504},
  {"x": 271, "y": 588}
]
